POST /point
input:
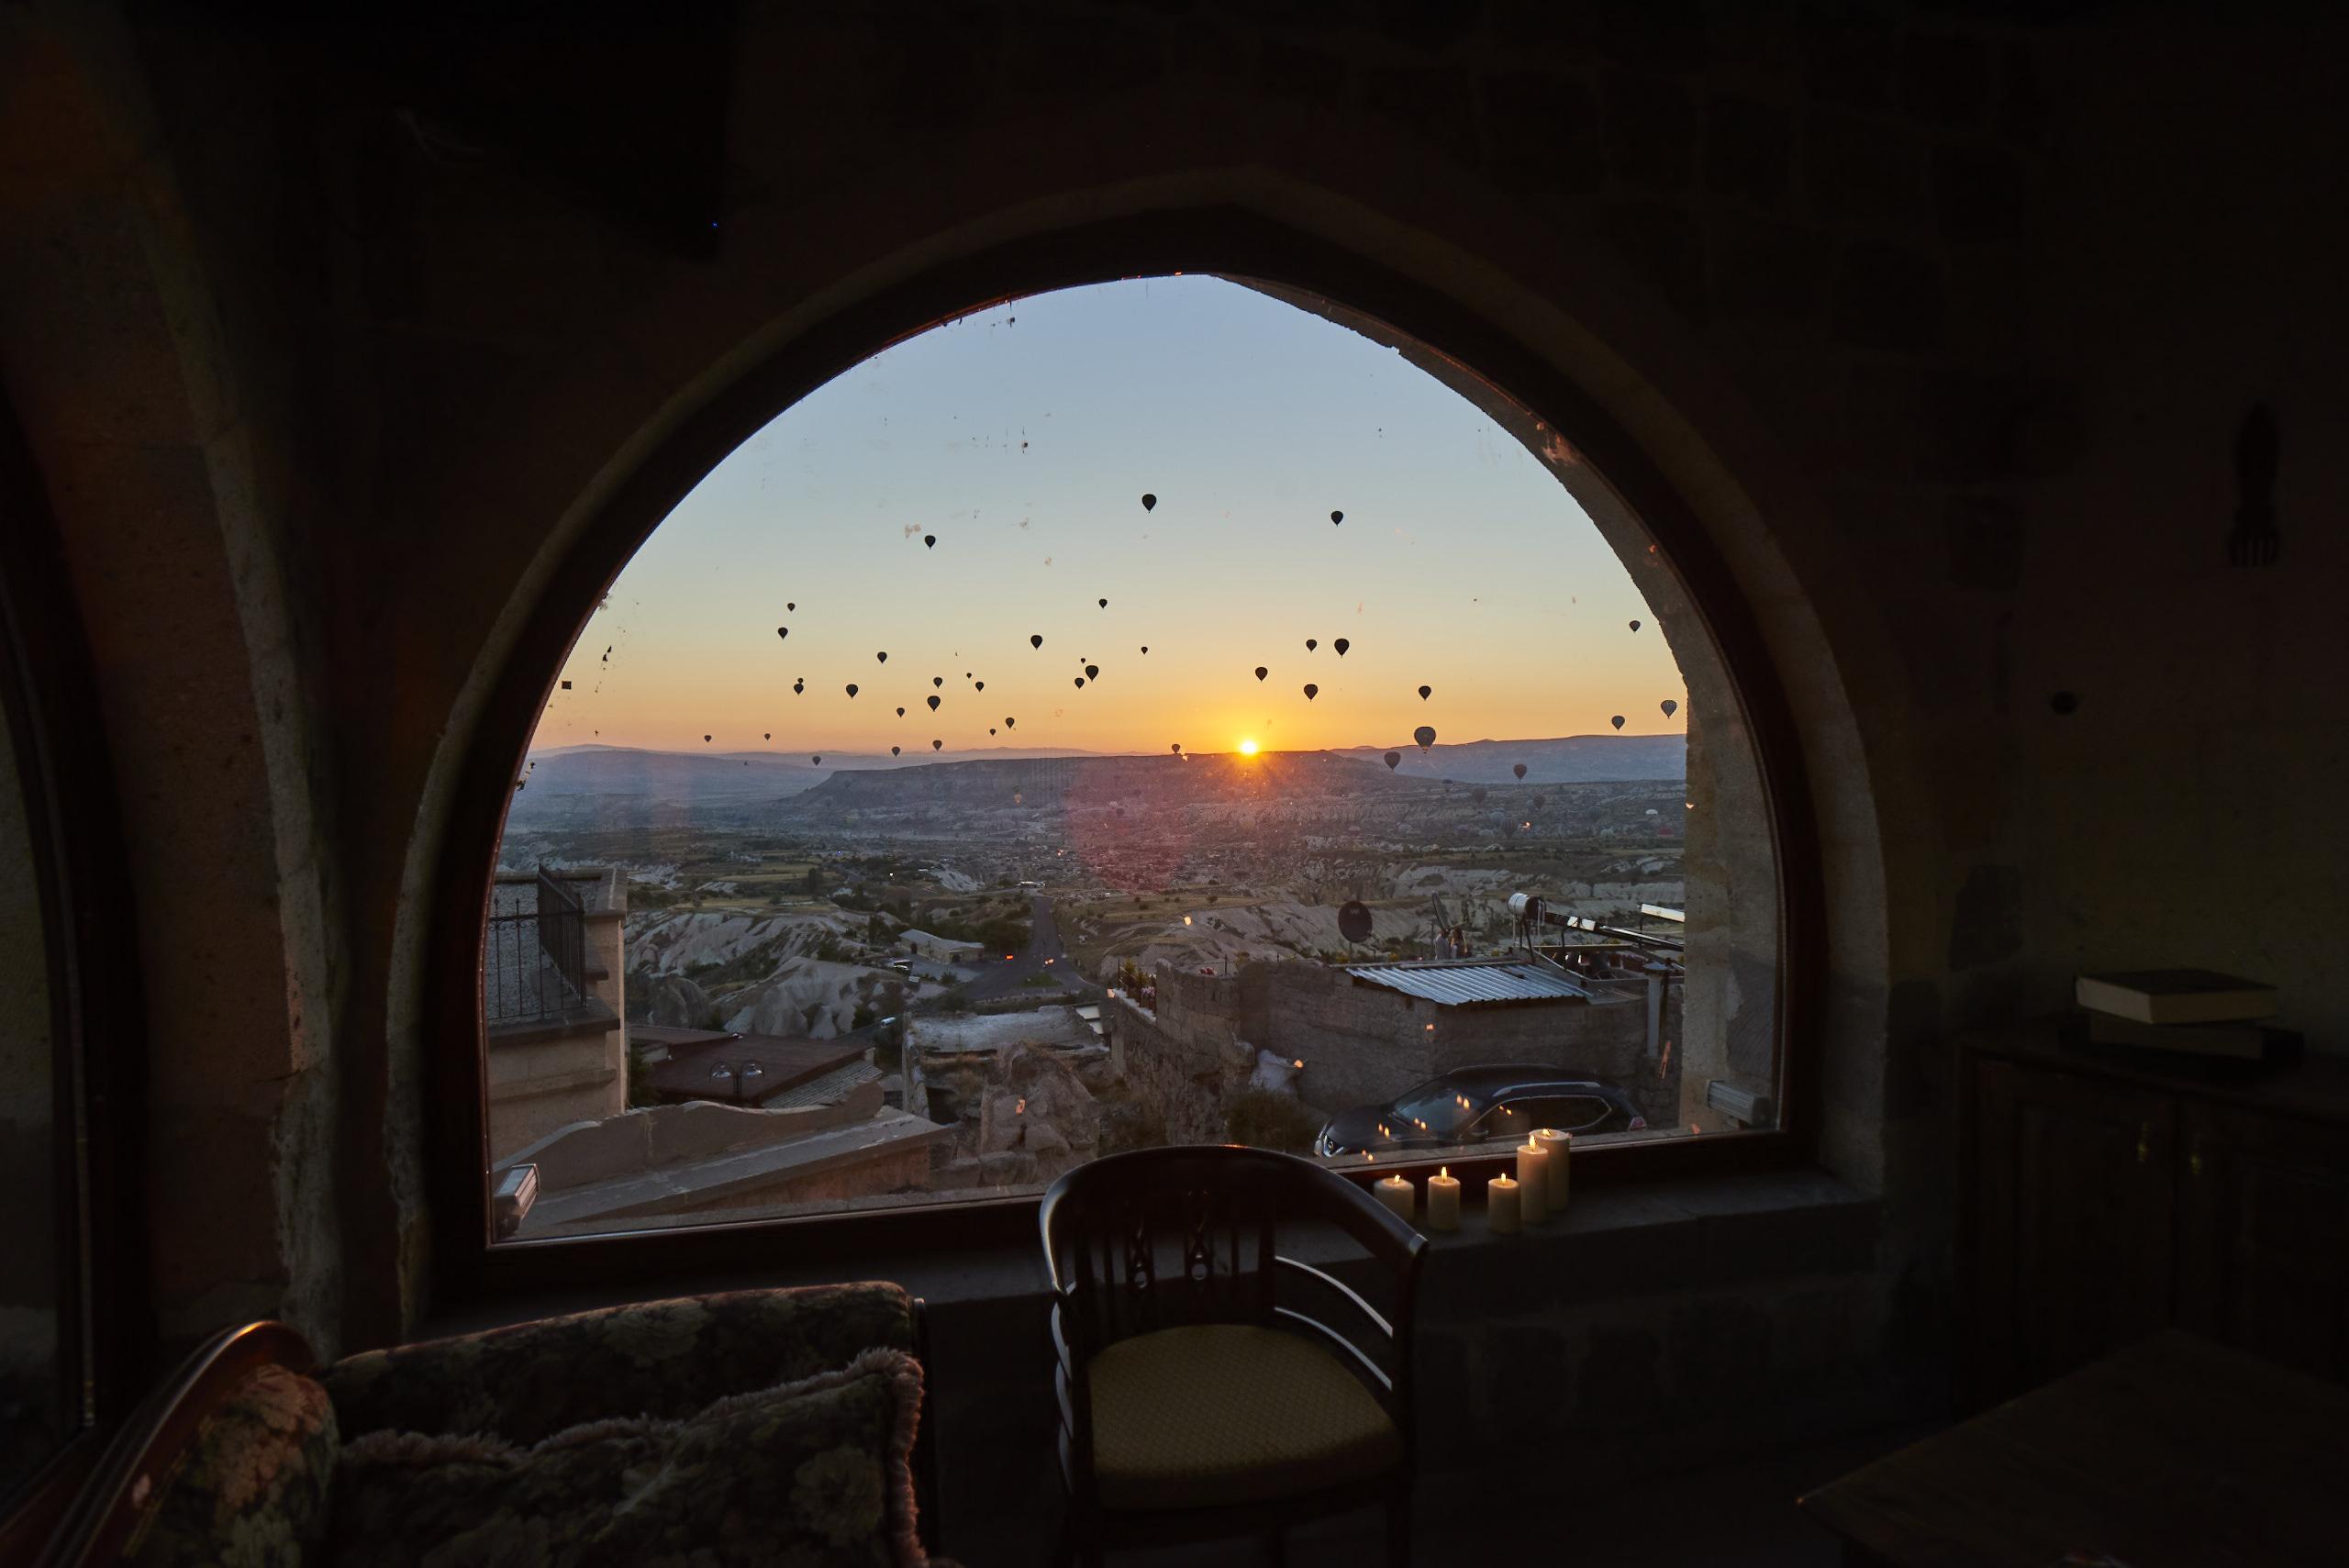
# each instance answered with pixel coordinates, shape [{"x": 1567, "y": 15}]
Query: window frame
[
  {"x": 49, "y": 701},
  {"x": 1220, "y": 239}
]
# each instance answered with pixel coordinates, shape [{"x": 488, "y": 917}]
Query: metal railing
[{"x": 534, "y": 962}]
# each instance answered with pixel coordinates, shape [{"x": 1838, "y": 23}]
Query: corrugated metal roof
[{"x": 1468, "y": 982}]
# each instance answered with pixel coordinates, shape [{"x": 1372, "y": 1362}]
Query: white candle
[
  {"x": 1560, "y": 1147},
  {"x": 1534, "y": 1176},
  {"x": 1395, "y": 1193},
  {"x": 1443, "y": 1200},
  {"x": 1500, "y": 1206}
]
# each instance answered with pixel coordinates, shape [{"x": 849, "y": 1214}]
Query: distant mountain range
[{"x": 562, "y": 779}]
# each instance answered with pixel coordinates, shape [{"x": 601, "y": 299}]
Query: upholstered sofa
[{"x": 756, "y": 1427}]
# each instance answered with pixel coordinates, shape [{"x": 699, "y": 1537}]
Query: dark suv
[{"x": 1482, "y": 1105}]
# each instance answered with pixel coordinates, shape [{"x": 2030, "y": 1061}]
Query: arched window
[{"x": 1170, "y": 710}]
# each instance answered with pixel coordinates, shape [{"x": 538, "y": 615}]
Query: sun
[{"x": 1247, "y": 747}]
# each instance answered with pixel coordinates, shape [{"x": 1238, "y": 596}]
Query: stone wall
[{"x": 1177, "y": 1078}]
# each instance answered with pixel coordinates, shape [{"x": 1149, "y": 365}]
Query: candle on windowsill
[
  {"x": 1443, "y": 1200},
  {"x": 1534, "y": 1176},
  {"x": 1395, "y": 1193},
  {"x": 1560, "y": 1147},
  {"x": 1501, "y": 1206}
]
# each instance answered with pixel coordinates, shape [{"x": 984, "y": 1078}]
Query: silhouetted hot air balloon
[
  {"x": 1393, "y": 760},
  {"x": 787, "y": 606},
  {"x": 1176, "y": 748},
  {"x": 1520, "y": 770},
  {"x": 1146, "y": 648},
  {"x": 798, "y": 686},
  {"x": 1148, "y": 501},
  {"x": 1093, "y": 672},
  {"x": 1617, "y": 721},
  {"x": 851, "y": 689},
  {"x": 880, "y": 658},
  {"x": 1311, "y": 643},
  {"x": 1341, "y": 645},
  {"x": 1635, "y": 625},
  {"x": 1262, "y": 672},
  {"x": 934, "y": 704},
  {"x": 818, "y": 759},
  {"x": 938, "y": 680},
  {"x": 901, "y": 713},
  {"x": 1425, "y": 735},
  {"x": 1037, "y": 640},
  {"x": 1080, "y": 683},
  {"x": 1337, "y": 517},
  {"x": 929, "y": 542},
  {"x": 1669, "y": 706},
  {"x": 1104, "y": 603},
  {"x": 978, "y": 686},
  {"x": 990, "y": 728},
  {"x": 1311, "y": 691},
  {"x": 936, "y": 744},
  {"x": 893, "y": 750},
  {"x": 770, "y": 735},
  {"x": 1010, "y": 723},
  {"x": 705, "y": 738},
  {"x": 1424, "y": 691},
  {"x": 779, "y": 631}
]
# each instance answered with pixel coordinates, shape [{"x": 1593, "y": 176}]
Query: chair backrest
[{"x": 1168, "y": 1237}]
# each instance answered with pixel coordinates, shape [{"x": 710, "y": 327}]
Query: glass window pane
[{"x": 1148, "y": 713}]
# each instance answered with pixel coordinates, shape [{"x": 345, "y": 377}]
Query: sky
[{"x": 1023, "y": 439}]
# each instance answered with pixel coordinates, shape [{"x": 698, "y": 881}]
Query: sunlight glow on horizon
[{"x": 981, "y": 485}]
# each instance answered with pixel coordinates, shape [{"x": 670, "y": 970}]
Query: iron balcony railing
[{"x": 534, "y": 954}]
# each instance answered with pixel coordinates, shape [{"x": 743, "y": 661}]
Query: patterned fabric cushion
[
  {"x": 250, "y": 1490},
  {"x": 654, "y": 1358},
  {"x": 803, "y": 1474},
  {"x": 1229, "y": 1413}
]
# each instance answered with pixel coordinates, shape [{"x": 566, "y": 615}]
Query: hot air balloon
[
  {"x": 1262, "y": 672},
  {"x": 799, "y": 685},
  {"x": 1392, "y": 759},
  {"x": 1311, "y": 643},
  {"x": 1337, "y": 517},
  {"x": 991, "y": 730},
  {"x": 1037, "y": 640},
  {"x": 1341, "y": 645},
  {"x": 936, "y": 744},
  {"x": 1425, "y": 735},
  {"x": 770, "y": 735},
  {"x": 1424, "y": 691},
  {"x": 1104, "y": 603},
  {"x": 851, "y": 689},
  {"x": 934, "y": 704},
  {"x": 705, "y": 738},
  {"x": 1149, "y": 502},
  {"x": 787, "y": 606},
  {"x": 978, "y": 686},
  {"x": 938, "y": 680},
  {"x": 880, "y": 658},
  {"x": 818, "y": 759},
  {"x": 1093, "y": 672},
  {"x": 1080, "y": 683},
  {"x": 779, "y": 631},
  {"x": 1617, "y": 721},
  {"x": 1518, "y": 770},
  {"x": 1669, "y": 706},
  {"x": 1176, "y": 748},
  {"x": 1311, "y": 691},
  {"x": 1635, "y": 625},
  {"x": 929, "y": 542},
  {"x": 1146, "y": 648},
  {"x": 1010, "y": 723},
  {"x": 901, "y": 713}
]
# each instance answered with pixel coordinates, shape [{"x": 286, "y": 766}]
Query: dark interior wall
[{"x": 1941, "y": 327}]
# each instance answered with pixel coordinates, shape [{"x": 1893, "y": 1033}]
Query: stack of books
[{"x": 2192, "y": 1011}]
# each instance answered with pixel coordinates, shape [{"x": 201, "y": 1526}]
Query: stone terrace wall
[{"x": 1177, "y": 1078}]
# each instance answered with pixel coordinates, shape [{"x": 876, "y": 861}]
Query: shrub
[{"x": 1265, "y": 1119}]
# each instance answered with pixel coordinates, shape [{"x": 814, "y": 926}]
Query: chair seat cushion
[
  {"x": 810, "y": 1473},
  {"x": 1229, "y": 1413}
]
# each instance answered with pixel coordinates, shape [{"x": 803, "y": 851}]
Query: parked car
[{"x": 1499, "y": 1104}]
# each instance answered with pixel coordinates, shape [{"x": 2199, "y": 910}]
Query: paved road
[{"x": 1002, "y": 979}]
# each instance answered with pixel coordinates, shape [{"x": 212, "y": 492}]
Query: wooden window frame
[{"x": 1218, "y": 241}]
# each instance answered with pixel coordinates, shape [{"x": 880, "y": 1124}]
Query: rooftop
[
  {"x": 1474, "y": 982},
  {"x": 784, "y": 1065}
]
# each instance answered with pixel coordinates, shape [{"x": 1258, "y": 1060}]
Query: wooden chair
[{"x": 1198, "y": 1398}]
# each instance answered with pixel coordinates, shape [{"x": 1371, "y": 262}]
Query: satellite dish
[{"x": 1354, "y": 921}]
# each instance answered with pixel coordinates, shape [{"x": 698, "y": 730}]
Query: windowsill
[{"x": 1615, "y": 1241}]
